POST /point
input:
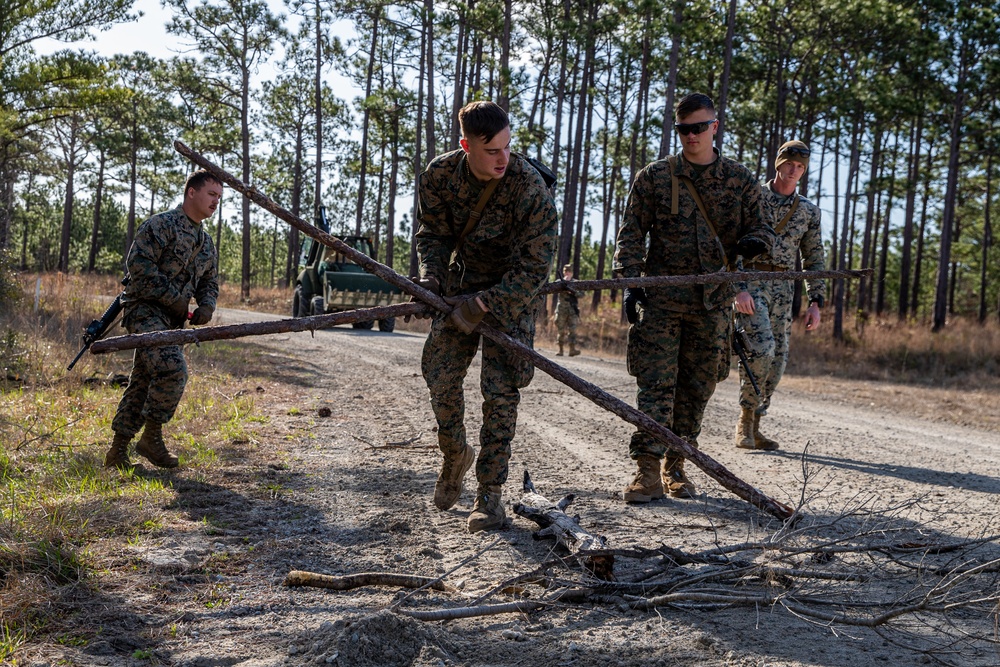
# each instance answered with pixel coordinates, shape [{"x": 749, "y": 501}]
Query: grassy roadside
[{"x": 63, "y": 517}]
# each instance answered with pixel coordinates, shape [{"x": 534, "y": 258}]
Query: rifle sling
[
  {"x": 788, "y": 216},
  {"x": 477, "y": 212},
  {"x": 675, "y": 204}
]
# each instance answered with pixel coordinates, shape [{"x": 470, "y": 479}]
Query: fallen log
[
  {"x": 229, "y": 331},
  {"x": 639, "y": 419},
  {"x": 566, "y": 530},
  {"x": 350, "y": 581}
]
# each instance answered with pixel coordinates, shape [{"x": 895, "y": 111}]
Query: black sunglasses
[
  {"x": 795, "y": 150},
  {"x": 696, "y": 128}
]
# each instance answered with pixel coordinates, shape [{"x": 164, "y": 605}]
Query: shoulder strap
[
  {"x": 477, "y": 212},
  {"x": 788, "y": 216},
  {"x": 675, "y": 206}
]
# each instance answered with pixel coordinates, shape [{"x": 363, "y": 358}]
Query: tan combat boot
[
  {"x": 560, "y": 352},
  {"x": 573, "y": 351},
  {"x": 487, "y": 512},
  {"x": 117, "y": 456},
  {"x": 152, "y": 447},
  {"x": 761, "y": 441},
  {"x": 675, "y": 481},
  {"x": 744, "y": 430},
  {"x": 647, "y": 485},
  {"x": 449, "y": 483}
]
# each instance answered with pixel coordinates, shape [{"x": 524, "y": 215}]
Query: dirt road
[{"x": 338, "y": 479}]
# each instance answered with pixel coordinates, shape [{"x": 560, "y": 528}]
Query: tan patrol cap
[{"x": 792, "y": 151}]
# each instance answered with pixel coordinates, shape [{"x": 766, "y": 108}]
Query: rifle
[
  {"x": 95, "y": 330},
  {"x": 741, "y": 346}
]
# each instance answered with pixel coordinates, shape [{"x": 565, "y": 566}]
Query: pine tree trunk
[
  {"x": 839, "y": 296},
  {"x": 913, "y": 170},
  {"x": 948, "y": 214}
]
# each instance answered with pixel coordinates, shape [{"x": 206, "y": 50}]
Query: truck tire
[
  {"x": 297, "y": 302},
  {"x": 316, "y": 305},
  {"x": 363, "y": 325},
  {"x": 387, "y": 325}
]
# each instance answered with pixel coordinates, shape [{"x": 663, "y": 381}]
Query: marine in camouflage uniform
[
  {"x": 567, "y": 315},
  {"x": 678, "y": 341},
  {"x": 768, "y": 325},
  {"x": 493, "y": 276},
  {"x": 171, "y": 261}
]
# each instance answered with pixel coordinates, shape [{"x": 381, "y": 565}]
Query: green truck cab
[{"x": 330, "y": 282}]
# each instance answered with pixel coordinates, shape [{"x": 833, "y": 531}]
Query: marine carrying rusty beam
[{"x": 711, "y": 467}]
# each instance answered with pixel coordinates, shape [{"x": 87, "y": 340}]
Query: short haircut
[
  {"x": 691, "y": 103},
  {"x": 198, "y": 179},
  {"x": 482, "y": 119}
]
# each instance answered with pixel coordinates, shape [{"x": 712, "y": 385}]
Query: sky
[{"x": 150, "y": 34}]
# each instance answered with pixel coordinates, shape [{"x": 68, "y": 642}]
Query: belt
[{"x": 763, "y": 266}]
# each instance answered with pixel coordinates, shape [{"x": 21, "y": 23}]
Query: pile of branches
[{"x": 863, "y": 567}]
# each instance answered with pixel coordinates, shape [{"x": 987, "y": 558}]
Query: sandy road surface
[{"x": 325, "y": 493}]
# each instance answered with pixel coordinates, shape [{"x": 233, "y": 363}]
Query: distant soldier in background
[
  {"x": 567, "y": 315},
  {"x": 172, "y": 261},
  {"x": 765, "y": 308},
  {"x": 688, "y": 214},
  {"x": 487, "y": 230}
]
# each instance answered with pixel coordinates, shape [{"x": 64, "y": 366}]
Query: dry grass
[
  {"x": 60, "y": 505},
  {"x": 965, "y": 355}
]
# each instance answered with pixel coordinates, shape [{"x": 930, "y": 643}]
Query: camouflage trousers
[
  {"x": 566, "y": 322},
  {"x": 447, "y": 355},
  {"x": 677, "y": 359},
  {"x": 158, "y": 378},
  {"x": 768, "y": 331}
]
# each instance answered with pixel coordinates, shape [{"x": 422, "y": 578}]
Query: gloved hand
[
  {"x": 178, "y": 310},
  {"x": 467, "y": 313},
  {"x": 429, "y": 283},
  {"x": 750, "y": 247},
  {"x": 202, "y": 315},
  {"x": 633, "y": 296}
]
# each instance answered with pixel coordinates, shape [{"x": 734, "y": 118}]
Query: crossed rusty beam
[{"x": 640, "y": 420}]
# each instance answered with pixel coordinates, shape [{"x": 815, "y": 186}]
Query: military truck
[{"x": 329, "y": 282}]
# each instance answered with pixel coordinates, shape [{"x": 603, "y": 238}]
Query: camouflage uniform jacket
[
  {"x": 802, "y": 233},
  {"x": 172, "y": 257},
  {"x": 507, "y": 255},
  {"x": 568, "y": 300},
  {"x": 683, "y": 244}
]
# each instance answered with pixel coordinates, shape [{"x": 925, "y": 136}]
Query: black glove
[
  {"x": 178, "y": 310},
  {"x": 633, "y": 295},
  {"x": 202, "y": 315},
  {"x": 750, "y": 247},
  {"x": 429, "y": 283}
]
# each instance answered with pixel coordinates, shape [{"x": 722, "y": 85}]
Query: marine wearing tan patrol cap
[{"x": 792, "y": 151}]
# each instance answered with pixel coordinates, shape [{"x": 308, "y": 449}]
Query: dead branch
[
  {"x": 230, "y": 331},
  {"x": 710, "y": 466},
  {"x": 351, "y": 581},
  {"x": 566, "y": 530},
  {"x": 464, "y": 562},
  {"x": 469, "y": 612},
  {"x": 699, "y": 279}
]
